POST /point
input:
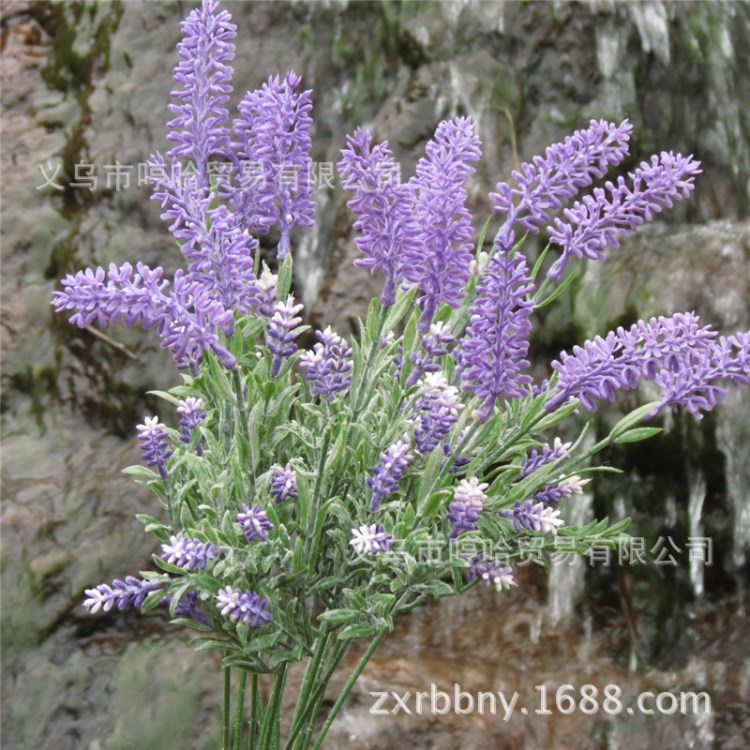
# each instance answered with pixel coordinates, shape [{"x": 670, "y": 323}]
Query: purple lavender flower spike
[
  {"x": 440, "y": 263},
  {"x": 282, "y": 331},
  {"x": 436, "y": 410},
  {"x": 531, "y": 516},
  {"x": 191, "y": 554},
  {"x": 548, "y": 181},
  {"x": 552, "y": 494},
  {"x": 496, "y": 342},
  {"x": 254, "y": 523},
  {"x": 600, "y": 220},
  {"x": 468, "y": 501},
  {"x": 384, "y": 208},
  {"x": 204, "y": 74},
  {"x": 154, "y": 442},
  {"x": 329, "y": 364},
  {"x": 370, "y": 540},
  {"x": 491, "y": 573},
  {"x": 603, "y": 366},
  {"x": 188, "y": 607},
  {"x": 393, "y": 463},
  {"x": 243, "y": 606},
  {"x": 128, "y": 593},
  {"x": 191, "y": 415},
  {"x": 273, "y": 139},
  {"x": 283, "y": 483}
]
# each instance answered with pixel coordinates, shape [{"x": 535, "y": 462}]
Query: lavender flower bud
[
  {"x": 435, "y": 344},
  {"x": 283, "y": 483},
  {"x": 190, "y": 554},
  {"x": 265, "y": 292},
  {"x": 130, "y": 592},
  {"x": 496, "y": 342},
  {"x": 534, "y": 517},
  {"x": 492, "y": 573},
  {"x": 243, "y": 606},
  {"x": 384, "y": 209},
  {"x": 254, "y": 523},
  {"x": 191, "y": 415},
  {"x": 281, "y": 331},
  {"x": 273, "y": 132},
  {"x": 329, "y": 364},
  {"x": 435, "y": 411},
  {"x": 600, "y": 220},
  {"x": 154, "y": 442},
  {"x": 440, "y": 263},
  {"x": 393, "y": 463},
  {"x": 370, "y": 540},
  {"x": 468, "y": 501},
  {"x": 205, "y": 76}
]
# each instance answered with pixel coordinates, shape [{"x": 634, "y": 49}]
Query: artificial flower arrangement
[{"x": 309, "y": 498}]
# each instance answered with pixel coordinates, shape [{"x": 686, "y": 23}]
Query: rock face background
[{"x": 89, "y": 83}]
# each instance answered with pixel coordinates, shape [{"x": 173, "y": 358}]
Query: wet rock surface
[{"x": 88, "y": 83}]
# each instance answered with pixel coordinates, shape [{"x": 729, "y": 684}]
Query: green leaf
[
  {"x": 350, "y": 632},
  {"x": 637, "y": 434},
  {"x": 403, "y": 305},
  {"x": 339, "y": 616},
  {"x": 632, "y": 419}
]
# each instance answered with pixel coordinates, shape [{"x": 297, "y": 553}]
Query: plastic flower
[
  {"x": 370, "y": 540},
  {"x": 329, "y": 364},
  {"x": 190, "y": 554},
  {"x": 254, "y": 522},
  {"x": 386, "y": 474},
  {"x": 436, "y": 410},
  {"x": 154, "y": 442},
  {"x": 439, "y": 263},
  {"x": 534, "y": 517},
  {"x": 243, "y": 606},
  {"x": 191, "y": 415},
  {"x": 282, "y": 331},
  {"x": 468, "y": 501},
  {"x": 128, "y": 593},
  {"x": 283, "y": 483},
  {"x": 491, "y": 573}
]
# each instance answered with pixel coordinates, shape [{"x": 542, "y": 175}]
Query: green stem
[
  {"x": 227, "y": 695},
  {"x": 311, "y": 673},
  {"x": 272, "y": 709},
  {"x": 347, "y": 689},
  {"x": 253, "y": 721},
  {"x": 239, "y": 710}
]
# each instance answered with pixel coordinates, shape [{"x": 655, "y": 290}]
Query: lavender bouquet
[{"x": 308, "y": 498}]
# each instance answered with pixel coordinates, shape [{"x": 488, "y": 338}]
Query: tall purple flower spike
[
  {"x": 329, "y": 364},
  {"x": 204, "y": 73},
  {"x": 191, "y": 415},
  {"x": 190, "y": 554},
  {"x": 468, "y": 501},
  {"x": 599, "y": 221},
  {"x": 243, "y": 606},
  {"x": 128, "y": 593},
  {"x": 283, "y": 483},
  {"x": 387, "y": 473},
  {"x": 273, "y": 152},
  {"x": 439, "y": 264},
  {"x": 254, "y": 522},
  {"x": 282, "y": 331},
  {"x": 544, "y": 184},
  {"x": 383, "y": 206},
  {"x": 496, "y": 343}
]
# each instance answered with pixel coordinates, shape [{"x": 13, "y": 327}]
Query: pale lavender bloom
[
  {"x": 534, "y": 517},
  {"x": 600, "y": 220},
  {"x": 370, "y": 540},
  {"x": 436, "y": 410},
  {"x": 439, "y": 264},
  {"x": 128, "y": 593},
  {"x": 283, "y": 483},
  {"x": 243, "y": 606},
  {"x": 205, "y": 75},
  {"x": 496, "y": 343},
  {"x": 154, "y": 443},
  {"x": 191, "y": 415},
  {"x": 329, "y": 364},
  {"x": 536, "y": 459},
  {"x": 386, "y": 474},
  {"x": 384, "y": 208},
  {"x": 544, "y": 184},
  {"x": 435, "y": 343},
  {"x": 491, "y": 573},
  {"x": 551, "y": 494},
  {"x": 282, "y": 331},
  {"x": 273, "y": 140},
  {"x": 254, "y": 523},
  {"x": 264, "y": 296},
  {"x": 468, "y": 501},
  {"x": 190, "y": 554},
  {"x": 603, "y": 366}
]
